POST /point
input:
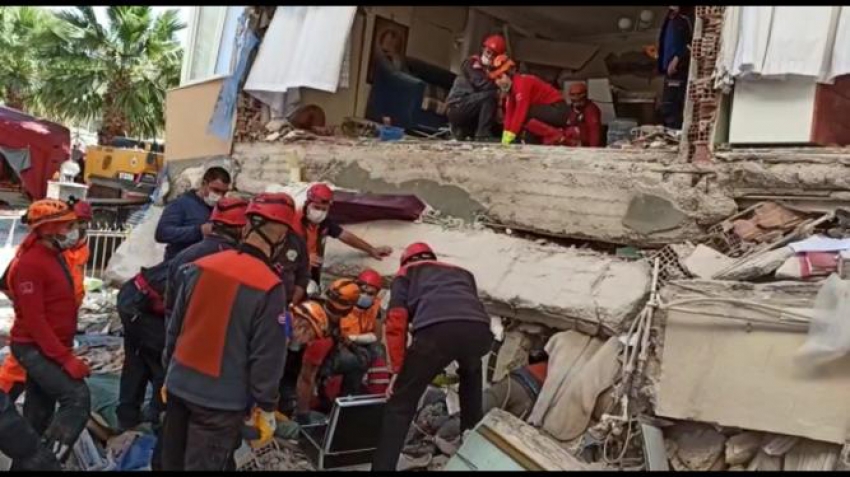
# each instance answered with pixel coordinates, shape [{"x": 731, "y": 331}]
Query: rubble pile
[{"x": 656, "y": 137}]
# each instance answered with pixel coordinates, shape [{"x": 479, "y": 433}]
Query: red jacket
[
  {"x": 589, "y": 122},
  {"x": 527, "y": 91},
  {"x": 45, "y": 303}
]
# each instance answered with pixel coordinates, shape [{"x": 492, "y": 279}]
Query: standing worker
[
  {"x": 673, "y": 64},
  {"x": 439, "y": 303},
  {"x": 42, "y": 335},
  {"x": 227, "y": 221},
  {"x": 473, "y": 101},
  {"x": 315, "y": 227},
  {"x": 184, "y": 222},
  {"x": 528, "y": 97},
  {"x": 224, "y": 344}
]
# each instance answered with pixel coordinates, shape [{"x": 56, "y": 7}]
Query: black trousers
[
  {"x": 144, "y": 341},
  {"x": 20, "y": 442},
  {"x": 434, "y": 348},
  {"x": 673, "y": 101},
  {"x": 199, "y": 438},
  {"x": 47, "y": 384},
  {"x": 474, "y": 114}
]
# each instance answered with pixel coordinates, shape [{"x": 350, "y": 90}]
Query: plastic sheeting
[
  {"x": 303, "y": 47},
  {"x": 139, "y": 250},
  {"x": 812, "y": 41},
  {"x": 829, "y": 332}
]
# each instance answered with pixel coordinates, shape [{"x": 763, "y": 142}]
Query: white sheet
[
  {"x": 303, "y": 47},
  {"x": 773, "y": 42},
  {"x": 819, "y": 243}
]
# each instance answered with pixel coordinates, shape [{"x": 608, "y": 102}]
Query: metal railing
[{"x": 104, "y": 240}]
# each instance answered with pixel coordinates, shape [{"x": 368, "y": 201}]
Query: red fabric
[
  {"x": 377, "y": 379},
  {"x": 44, "y": 302},
  {"x": 49, "y": 145},
  {"x": 11, "y": 373},
  {"x": 527, "y": 91},
  {"x": 589, "y": 121},
  {"x": 539, "y": 371},
  {"x": 396, "y": 335},
  {"x": 317, "y": 351}
]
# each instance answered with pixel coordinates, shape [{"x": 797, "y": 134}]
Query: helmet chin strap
[{"x": 274, "y": 247}]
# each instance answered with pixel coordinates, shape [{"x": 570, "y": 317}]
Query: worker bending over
[
  {"x": 185, "y": 221},
  {"x": 315, "y": 227},
  {"x": 439, "y": 304},
  {"x": 42, "y": 336},
  {"x": 327, "y": 353},
  {"x": 473, "y": 101},
  {"x": 224, "y": 343},
  {"x": 527, "y": 97}
]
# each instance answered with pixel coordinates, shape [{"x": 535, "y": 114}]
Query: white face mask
[
  {"x": 70, "y": 240},
  {"x": 485, "y": 60},
  {"x": 505, "y": 87},
  {"x": 316, "y": 216},
  {"x": 212, "y": 198}
]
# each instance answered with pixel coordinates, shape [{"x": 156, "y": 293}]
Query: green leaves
[{"x": 82, "y": 70}]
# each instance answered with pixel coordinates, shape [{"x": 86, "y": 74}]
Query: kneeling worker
[
  {"x": 585, "y": 116},
  {"x": 224, "y": 344},
  {"x": 473, "y": 101},
  {"x": 528, "y": 97},
  {"x": 439, "y": 303}
]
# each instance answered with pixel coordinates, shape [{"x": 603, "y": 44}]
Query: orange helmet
[
  {"x": 501, "y": 66},
  {"x": 313, "y": 312},
  {"x": 230, "y": 211},
  {"x": 48, "y": 211},
  {"x": 342, "y": 295}
]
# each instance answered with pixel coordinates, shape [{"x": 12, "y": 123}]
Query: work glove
[
  {"x": 266, "y": 423},
  {"x": 508, "y": 137},
  {"x": 76, "y": 368}
]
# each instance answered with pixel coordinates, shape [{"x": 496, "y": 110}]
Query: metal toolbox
[{"x": 348, "y": 438}]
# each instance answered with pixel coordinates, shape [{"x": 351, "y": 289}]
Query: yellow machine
[{"x": 133, "y": 164}]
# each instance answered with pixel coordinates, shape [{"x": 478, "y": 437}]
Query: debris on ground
[{"x": 650, "y": 136}]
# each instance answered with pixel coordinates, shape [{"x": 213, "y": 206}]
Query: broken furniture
[
  {"x": 349, "y": 436},
  {"x": 502, "y": 441},
  {"x": 413, "y": 100}
]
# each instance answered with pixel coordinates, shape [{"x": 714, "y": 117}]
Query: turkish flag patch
[{"x": 26, "y": 288}]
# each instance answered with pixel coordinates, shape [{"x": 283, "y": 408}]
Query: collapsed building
[{"x": 668, "y": 286}]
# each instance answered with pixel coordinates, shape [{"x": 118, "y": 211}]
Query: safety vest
[
  {"x": 11, "y": 373},
  {"x": 77, "y": 259},
  {"x": 360, "y": 321}
]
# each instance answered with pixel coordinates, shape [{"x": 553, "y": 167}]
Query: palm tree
[
  {"x": 117, "y": 73},
  {"x": 19, "y": 65}
]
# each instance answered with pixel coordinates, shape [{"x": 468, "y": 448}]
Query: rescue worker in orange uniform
[
  {"x": 328, "y": 353},
  {"x": 527, "y": 97},
  {"x": 224, "y": 344},
  {"x": 41, "y": 286},
  {"x": 439, "y": 304},
  {"x": 473, "y": 101},
  {"x": 315, "y": 227},
  {"x": 78, "y": 256},
  {"x": 362, "y": 326}
]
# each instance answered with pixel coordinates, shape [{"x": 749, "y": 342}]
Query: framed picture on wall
[{"x": 388, "y": 39}]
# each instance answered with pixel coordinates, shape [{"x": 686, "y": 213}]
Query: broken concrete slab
[
  {"x": 705, "y": 262},
  {"x": 812, "y": 455},
  {"x": 552, "y": 285},
  {"x": 742, "y": 448},
  {"x": 648, "y": 214},
  {"x": 744, "y": 375},
  {"x": 695, "y": 446},
  {"x": 565, "y": 192},
  {"x": 764, "y": 462}
]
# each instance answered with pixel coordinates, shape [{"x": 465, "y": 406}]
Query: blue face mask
[{"x": 365, "y": 302}]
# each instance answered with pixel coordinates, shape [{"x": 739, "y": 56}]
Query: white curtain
[
  {"x": 303, "y": 47},
  {"x": 778, "y": 41}
]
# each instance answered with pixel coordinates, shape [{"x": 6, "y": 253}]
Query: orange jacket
[
  {"x": 77, "y": 258},
  {"x": 360, "y": 322}
]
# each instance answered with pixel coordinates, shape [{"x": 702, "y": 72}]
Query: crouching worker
[
  {"x": 528, "y": 98},
  {"x": 326, "y": 352},
  {"x": 18, "y": 440},
  {"x": 439, "y": 303},
  {"x": 42, "y": 336},
  {"x": 224, "y": 344}
]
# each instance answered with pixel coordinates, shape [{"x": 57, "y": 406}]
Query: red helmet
[
  {"x": 275, "y": 207},
  {"x": 230, "y": 211},
  {"x": 320, "y": 193},
  {"x": 82, "y": 210},
  {"x": 496, "y": 43},
  {"x": 413, "y": 250},
  {"x": 370, "y": 277}
]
